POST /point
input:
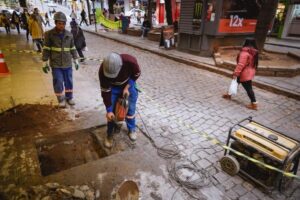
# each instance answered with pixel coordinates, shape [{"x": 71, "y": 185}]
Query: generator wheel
[{"x": 230, "y": 165}]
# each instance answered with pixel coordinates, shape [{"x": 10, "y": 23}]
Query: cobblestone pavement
[{"x": 179, "y": 91}]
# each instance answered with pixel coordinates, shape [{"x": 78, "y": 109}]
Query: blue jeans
[
  {"x": 63, "y": 83},
  {"x": 117, "y": 92}
]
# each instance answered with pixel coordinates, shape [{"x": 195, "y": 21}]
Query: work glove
[
  {"x": 76, "y": 63},
  {"x": 46, "y": 67}
]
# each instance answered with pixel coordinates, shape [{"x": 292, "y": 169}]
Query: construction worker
[
  {"x": 118, "y": 74},
  {"x": 59, "y": 49}
]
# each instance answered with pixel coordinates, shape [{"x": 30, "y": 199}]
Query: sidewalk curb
[{"x": 204, "y": 66}]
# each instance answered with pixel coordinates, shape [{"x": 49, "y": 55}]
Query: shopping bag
[
  {"x": 233, "y": 87},
  {"x": 85, "y": 49}
]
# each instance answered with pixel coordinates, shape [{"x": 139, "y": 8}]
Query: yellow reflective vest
[{"x": 59, "y": 48}]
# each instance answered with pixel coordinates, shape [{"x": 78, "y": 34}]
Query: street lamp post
[{"x": 94, "y": 12}]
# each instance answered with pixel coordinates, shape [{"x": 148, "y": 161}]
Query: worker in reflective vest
[{"x": 58, "y": 51}]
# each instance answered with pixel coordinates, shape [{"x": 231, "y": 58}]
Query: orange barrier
[{"x": 3, "y": 67}]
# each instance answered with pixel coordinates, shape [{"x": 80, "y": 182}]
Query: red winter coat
[{"x": 245, "y": 68}]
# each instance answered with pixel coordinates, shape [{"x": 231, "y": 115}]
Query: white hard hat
[{"x": 112, "y": 65}]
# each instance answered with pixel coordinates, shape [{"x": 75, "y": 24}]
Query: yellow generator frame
[{"x": 266, "y": 145}]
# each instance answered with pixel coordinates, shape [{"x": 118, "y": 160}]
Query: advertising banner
[
  {"x": 197, "y": 15},
  {"x": 238, "y": 16}
]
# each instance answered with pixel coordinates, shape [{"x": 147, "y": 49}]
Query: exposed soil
[
  {"x": 266, "y": 58},
  {"x": 31, "y": 116},
  {"x": 61, "y": 153}
]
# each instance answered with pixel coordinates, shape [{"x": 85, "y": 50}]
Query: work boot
[
  {"x": 227, "y": 96},
  {"x": 132, "y": 135},
  {"x": 62, "y": 104},
  {"x": 71, "y": 102},
  {"x": 108, "y": 142},
  {"x": 252, "y": 106}
]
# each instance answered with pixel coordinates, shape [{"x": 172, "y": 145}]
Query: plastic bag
[
  {"x": 233, "y": 87},
  {"x": 85, "y": 49}
]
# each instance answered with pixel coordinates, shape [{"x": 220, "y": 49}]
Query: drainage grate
[{"x": 74, "y": 149}]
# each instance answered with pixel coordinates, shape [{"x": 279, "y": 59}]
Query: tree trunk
[
  {"x": 168, "y": 7},
  {"x": 111, "y": 4},
  {"x": 264, "y": 20},
  {"x": 150, "y": 12}
]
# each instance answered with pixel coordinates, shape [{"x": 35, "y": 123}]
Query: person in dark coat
[
  {"x": 24, "y": 18},
  {"x": 83, "y": 17},
  {"x": 15, "y": 19},
  {"x": 146, "y": 26},
  {"x": 79, "y": 38}
]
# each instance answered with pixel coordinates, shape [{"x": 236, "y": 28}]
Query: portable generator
[{"x": 263, "y": 144}]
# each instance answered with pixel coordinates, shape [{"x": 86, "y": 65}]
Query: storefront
[
  {"x": 278, "y": 22},
  {"x": 292, "y": 21},
  {"x": 214, "y": 23},
  {"x": 161, "y": 12}
]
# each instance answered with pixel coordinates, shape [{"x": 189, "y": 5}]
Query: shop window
[
  {"x": 296, "y": 12},
  {"x": 242, "y": 8}
]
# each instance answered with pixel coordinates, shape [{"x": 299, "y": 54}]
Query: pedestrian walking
[
  {"x": 79, "y": 38},
  {"x": 83, "y": 17},
  {"x": 247, "y": 63},
  {"x": 73, "y": 15},
  {"x": 118, "y": 74},
  {"x": 6, "y": 23},
  {"x": 36, "y": 32},
  {"x": 59, "y": 50},
  {"x": 38, "y": 17},
  {"x": 47, "y": 20},
  {"x": 24, "y": 22},
  {"x": 146, "y": 26},
  {"x": 15, "y": 19}
]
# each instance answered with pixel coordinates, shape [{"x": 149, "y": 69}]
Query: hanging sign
[{"x": 238, "y": 16}]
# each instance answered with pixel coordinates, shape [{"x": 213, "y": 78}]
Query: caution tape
[
  {"x": 39, "y": 53},
  {"x": 22, "y": 51},
  {"x": 215, "y": 141}
]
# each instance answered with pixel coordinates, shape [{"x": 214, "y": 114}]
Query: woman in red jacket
[{"x": 247, "y": 62}]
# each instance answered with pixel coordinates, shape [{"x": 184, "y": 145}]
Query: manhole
[{"x": 73, "y": 149}]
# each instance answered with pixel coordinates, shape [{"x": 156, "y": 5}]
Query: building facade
[{"x": 207, "y": 24}]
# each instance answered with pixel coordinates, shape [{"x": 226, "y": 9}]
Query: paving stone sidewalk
[
  {"x": 173, "y": 91},
  {"x": 281, "y": 85}
]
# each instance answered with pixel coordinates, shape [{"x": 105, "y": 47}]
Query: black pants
[
  {"x": 79, "y": 51},
  {"x": 7, "y": 28},
  {"x": 39, "y": 44},
  {"x": 27, "y": 33},
  {"x": 18, "y": 27},
  {"x": 247, "y": 85},
  {"x": 83, "y": 20}
]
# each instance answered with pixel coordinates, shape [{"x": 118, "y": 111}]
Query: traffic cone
[{"x": 3, "y": 67}]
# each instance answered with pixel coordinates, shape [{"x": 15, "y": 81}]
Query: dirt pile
[{"x": 31, "y": 116}]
